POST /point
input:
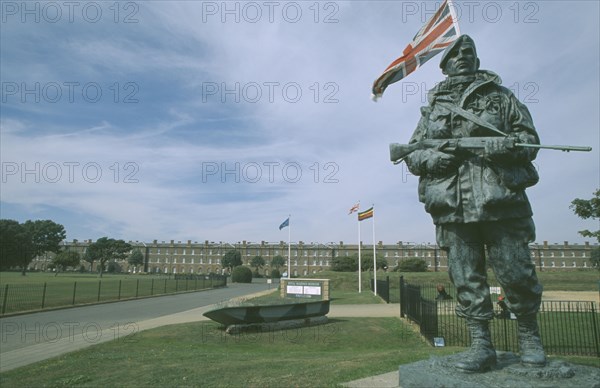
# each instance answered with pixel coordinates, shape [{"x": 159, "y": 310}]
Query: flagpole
[
  {"x": 374, "y": 256},
  {"x": 289, "y": 248},
  {"x": 359, "y": 261},
  {"x": 454, "y": 17}
]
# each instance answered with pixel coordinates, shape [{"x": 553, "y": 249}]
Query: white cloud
[{"x": 181, "y": 128}]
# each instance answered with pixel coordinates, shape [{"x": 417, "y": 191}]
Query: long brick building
[{"x": 176, "y": 257}]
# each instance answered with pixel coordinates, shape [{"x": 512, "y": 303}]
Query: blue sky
[{"x": 215, "y": 121}]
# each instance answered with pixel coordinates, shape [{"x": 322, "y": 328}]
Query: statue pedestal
[{"x": 438, "y": 372}]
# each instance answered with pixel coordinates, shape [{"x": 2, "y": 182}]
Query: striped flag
[
  {"x": 437, "y": 34},
  {"x": 366, "y": 214},
  {"x": 354, "y": 208}
]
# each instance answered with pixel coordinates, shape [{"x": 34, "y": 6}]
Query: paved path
[{"x": 29, "y": 338}]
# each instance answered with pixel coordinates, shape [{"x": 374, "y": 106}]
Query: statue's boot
[
  {"x": 482, "y": 355},
  {"x": 530, "y": 343}
]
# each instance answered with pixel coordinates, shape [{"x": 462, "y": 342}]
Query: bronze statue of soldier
[{"x": 477, "y": 199}]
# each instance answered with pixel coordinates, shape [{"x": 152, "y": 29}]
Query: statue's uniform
[{"x": 480, "y": 208}]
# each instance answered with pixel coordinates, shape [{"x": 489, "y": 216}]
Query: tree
[
  {"x": 350, "y": 263},
  {"x": 345, "y": 263},
  {"x": 588, "y": 208},
  {"x": 105, "y": 249},
  {"x": 585, "y": 209},
  {"x": 46, "y": 236},
  {"x": 136, "y": 258},
  {"x": 278, "y": 261},
  {"x": 241, "y": 274},
  {"x": 16, "y": 245},
  {"x": 257, "y": 263},
  {"x": 231, "y": 259},
  {"x": 66, "y": 259},
  {"x": 412, "y": 265}
]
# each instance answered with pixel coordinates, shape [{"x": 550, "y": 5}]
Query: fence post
[
  {"x": 165, "y": 289},
  {"x": 137, "y": 287},
  {"x": 402, "y": 302},
  {"x": 387, "y": 281},
  {"x": 595, "y": 327},
  {"x": 44, "y": 295},
  {"x": 99, "y": 287},
  {"x": 74, "y": 290},
  {"x": 152, "y": 288},
  {"x": 176, "y": 285},
  {"x": 5, "y": 299},
  {"x": 119, "y": 296}
]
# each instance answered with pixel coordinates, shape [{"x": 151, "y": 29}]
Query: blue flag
[{"x": 285, "y": 223}]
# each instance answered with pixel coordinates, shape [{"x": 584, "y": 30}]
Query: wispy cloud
[{"x": 211, "y": 130}]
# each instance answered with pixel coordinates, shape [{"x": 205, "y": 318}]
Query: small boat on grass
[{"x": 241, "y": 315}]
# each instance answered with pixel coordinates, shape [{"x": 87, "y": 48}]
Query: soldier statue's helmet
[{"x": 459, "y": 41}]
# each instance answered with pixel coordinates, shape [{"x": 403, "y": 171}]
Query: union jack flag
[
  {"x": 354, "y": 208},
  {"x": 437, "y": 34}
]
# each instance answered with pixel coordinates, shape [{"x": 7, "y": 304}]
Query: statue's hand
[
  {"x": 439, "y": 163},
  {"x": 499, "y": 148}
]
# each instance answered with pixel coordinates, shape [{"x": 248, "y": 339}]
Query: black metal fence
[
  {"x": 566, "y": 327},
  {"x": 16, "y": 298},
  {"x": 383, "y": 288}
]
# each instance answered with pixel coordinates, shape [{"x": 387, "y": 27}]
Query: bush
[
  {"x": 412, "y": 265},
  {"x": 275, "y": 274},
  {"x": 350, "y": 263},
  {"x": 241, "y": 274}
]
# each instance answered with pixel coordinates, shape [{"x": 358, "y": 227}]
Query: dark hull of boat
[{"x": 265, "y": 314}]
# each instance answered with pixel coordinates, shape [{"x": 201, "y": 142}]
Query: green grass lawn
[
  {"x": 39, "y": 290},
  {"x": 576, "y": 280},
  {"x": 200, "y": 354}
]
